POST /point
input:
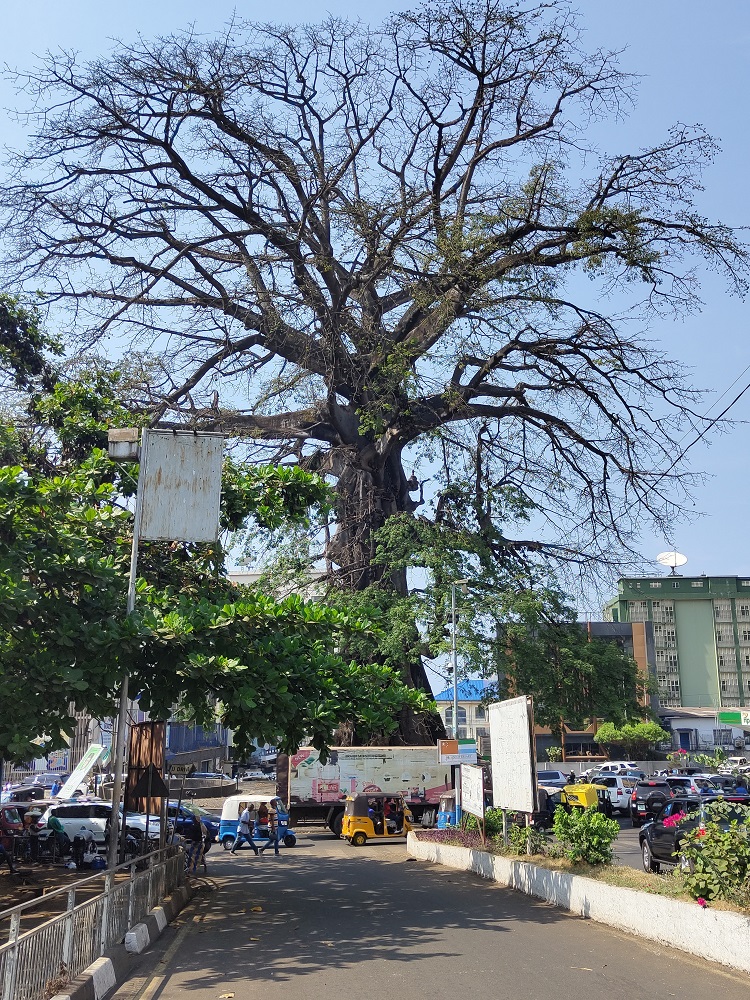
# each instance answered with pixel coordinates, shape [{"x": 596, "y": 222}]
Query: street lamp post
[{"x": 454, "y": 656}]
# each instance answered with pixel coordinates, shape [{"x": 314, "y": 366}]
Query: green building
[{"x": 701, "y": 637}]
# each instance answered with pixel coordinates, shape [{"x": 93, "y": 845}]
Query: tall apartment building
[{"x": 701, "y": 629}]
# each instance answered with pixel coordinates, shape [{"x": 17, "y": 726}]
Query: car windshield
[
  {"x": 198, "y": 811},
  {"x": 548, "y": 775}
]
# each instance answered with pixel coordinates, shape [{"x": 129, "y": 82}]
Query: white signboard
[
  {"x": 511, "y": 749},
  {"x": 179, "y": 485},
  {"x": 457, "y": 751},
  {"x": 472, "y": 790},
  {"x": 82, "y": 772}
]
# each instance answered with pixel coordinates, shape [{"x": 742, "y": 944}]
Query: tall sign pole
[
  {"x": 179, "y": 490},
  {"x": 121, "y": 737}
]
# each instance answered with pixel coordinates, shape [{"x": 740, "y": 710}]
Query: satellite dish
[{"x": 671, "y": 559}]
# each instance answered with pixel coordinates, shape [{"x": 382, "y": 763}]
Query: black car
[
  {"x": 649, "y": 795},
  {"x": 661, "y": 840}
]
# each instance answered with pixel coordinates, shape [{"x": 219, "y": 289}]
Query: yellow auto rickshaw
[
  {"x": 375, "y": 817},
  {"x": 585, "y": 795}
]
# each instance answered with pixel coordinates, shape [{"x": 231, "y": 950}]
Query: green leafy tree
[
  {"x": 262, "y": 667},
  {"x": 634, "y": 739}
]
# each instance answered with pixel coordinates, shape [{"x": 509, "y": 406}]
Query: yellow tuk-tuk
[
  {"x": 375, "y": 817},
  {"x": 585, "y": 795}
]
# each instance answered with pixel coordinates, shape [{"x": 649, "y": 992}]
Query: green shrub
[
  {"x": 585, "y": 835},
  {"x": 716, "y": 861},
  {"x": 527, "y": 840},
  {"x": 554, "y": 754},
  {"x": 493, "y": 822}
]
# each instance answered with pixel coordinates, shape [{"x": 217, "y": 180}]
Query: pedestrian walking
[
  {"x": 244, "y": 832},
  {"x": 271, "y": 831}
]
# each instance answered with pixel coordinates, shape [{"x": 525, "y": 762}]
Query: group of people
[
  {"x": 386, "y": 815},
  {"x": 254, "y": 825}
]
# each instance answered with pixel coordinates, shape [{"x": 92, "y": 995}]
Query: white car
[
  {"x": 616, "y": 767},
  {"x": 619, "y": 790},
  {"x": 93, "y": 818},
  {"x": 741, "y": 764}
]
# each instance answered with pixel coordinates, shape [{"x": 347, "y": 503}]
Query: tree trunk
[{"x": 372, "y": 487}]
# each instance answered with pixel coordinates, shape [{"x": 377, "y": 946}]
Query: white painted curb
[
  {"x": 103, "y": 974},
  {"x": 715, "y": 935}
]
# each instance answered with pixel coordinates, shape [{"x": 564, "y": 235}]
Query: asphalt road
[
  {"x": 626, "y": 847},
  {"x": 328, "y": 921}
]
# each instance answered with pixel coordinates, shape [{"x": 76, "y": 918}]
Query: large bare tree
[{"x": 366, "y": 249}]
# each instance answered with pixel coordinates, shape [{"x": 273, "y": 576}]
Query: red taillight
[
  {"x": 634, "y": 796},
  {"x": 619, "y": 791}
]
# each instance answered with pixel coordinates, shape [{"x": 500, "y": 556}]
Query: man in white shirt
[{"x": 244, "y": 828}]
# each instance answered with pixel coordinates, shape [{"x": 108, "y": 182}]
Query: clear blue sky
[{"x": 694, "y": 60}]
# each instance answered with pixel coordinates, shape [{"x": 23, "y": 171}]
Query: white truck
[{"x": 317, "y": 791}]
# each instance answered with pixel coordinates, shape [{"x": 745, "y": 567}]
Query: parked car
[
  {"x": 724, "y": 782},
  {"x": 661, "y": 840},
  {"x": 94, "y": 817},
  {"x": 619, "y": 790},
  {"x": 616, "y": 767},
  {"x": 213, "y": 775},
  {"x": 181, "y": 815},
  {"x": 258, "y": 775},
  {"x": 732, "y": 764},
  {"x": 647, "y": 799},
  {"x": 545, "y": 777},
  {"x": 691, "y": 785}
]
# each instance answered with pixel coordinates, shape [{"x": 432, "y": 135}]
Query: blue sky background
[{"x": 693, "y": 58}]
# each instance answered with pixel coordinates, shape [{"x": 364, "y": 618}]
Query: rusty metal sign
[{"x": 179, "y": 486}]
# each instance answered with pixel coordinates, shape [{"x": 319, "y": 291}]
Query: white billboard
[
  {"x": 179, "y": 485},
  {"x": 513, "y": 759},
  {"x": 472, "y": 790}
]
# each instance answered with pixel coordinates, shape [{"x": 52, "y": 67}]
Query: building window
[
  {"x": 481, "y": 731},
  {"x": 745, "y": 633},
  {"x": 744, "y": 583},
  {"x": 662, "y": 611},
  {"x": 727, "y": 658},
  {"x": 655, "y": 585},
  {"x": 723, "y": 611},
  {"x": 461, "y": 716},
  {"x": 675, "y": 584},
  {"x": 744, "y": 611},
  {"x": 638, "y": 611},
  {"x": 697, "y": 583},
  {"x": 722, "y": 737},
  {"x": 479, "y": 712}
]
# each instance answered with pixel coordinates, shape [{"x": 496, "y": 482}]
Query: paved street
[
  {"x": 626, "y": 846},
  {"x": 336, "y": 922}
]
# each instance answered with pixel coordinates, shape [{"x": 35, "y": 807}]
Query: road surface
[{"x": 328, "y": 921}]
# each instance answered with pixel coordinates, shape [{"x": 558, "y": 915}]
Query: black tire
[
  {"x": 227, "y": 842},
  {"x": 358, "y": 839},
  {"x": 649, "y": 865},
  {"x": 290, "y": 840},
  {"x": 336, "y": 823}
]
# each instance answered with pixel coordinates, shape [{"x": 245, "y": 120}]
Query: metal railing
[{"x": 92, "y": 917}]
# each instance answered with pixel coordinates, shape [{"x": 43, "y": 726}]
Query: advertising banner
[
  {"x": 472, "y": 790},
  {"x": 513, "y": 759},
  {"x": 457, "y": 751},
  {"x": 84, "y": 769}
]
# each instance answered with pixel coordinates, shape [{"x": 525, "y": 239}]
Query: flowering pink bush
[
  {"x": 701, "y": 902},
  {"x": 674, "y": 819}
]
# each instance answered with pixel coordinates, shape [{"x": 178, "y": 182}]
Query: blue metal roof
[{"x": 468, "y": 690}]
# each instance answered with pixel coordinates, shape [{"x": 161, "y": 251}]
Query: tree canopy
[
  {"x": 262, "y": 667},
  {"x": 391, "y": 255}
]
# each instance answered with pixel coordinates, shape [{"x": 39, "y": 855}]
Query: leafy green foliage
[
  {"x": 527, "y": 839},
  {"x": 634, "y": 739},
  {"x": 716, "y": 857},
  {"x": 585, "y": 835},
  {"x": 265, "y": 668},
  {"x": 554, "y": 754},
  {"x": 24, "y": 346}
]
